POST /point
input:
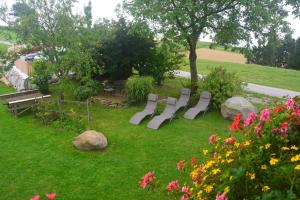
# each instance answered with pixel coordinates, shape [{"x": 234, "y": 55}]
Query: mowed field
[
  {"x": 250, "y": 73},
  {"x": 220, "y": 56}
]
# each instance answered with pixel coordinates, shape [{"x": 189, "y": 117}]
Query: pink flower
[
  {"x": 290, "y": 103},
  {"x": 297, "y": 112},
  {"x": 184, "y": 197},
  {"x": 51, "y": 196},
  {"x": 230, "y": 140},
  {"x": 173, "y": 186},
  {"x": 213, "y": 139},
  {"x": 251, "y": 117},
  {"x": 265, "y": 115},
  {"x": 147, "y": 179},
  {"x": 37, "y": 197},
  {"x": 180, "y": 165},
  {"x": 185, "y": 189},
  {"x": 221, "y": 197}
]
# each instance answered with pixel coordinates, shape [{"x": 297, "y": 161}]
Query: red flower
[
  {"x": 37, "y": 197},
  {"x": 258, "y": 130},
  {"x": 51, "y": 196},
  {"x": 193, "y": 161},
  {"x": 236, "y": 124},
  {"x": 147, "y": 179},
  {"x": 230, "y": 140},
  {"x": 213, "y": 139},
  {"x": 278, "y": 109}
]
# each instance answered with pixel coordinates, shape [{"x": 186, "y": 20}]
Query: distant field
[
  {"x": 220, "y": 56},
  {"x": 251, "y": 73}
]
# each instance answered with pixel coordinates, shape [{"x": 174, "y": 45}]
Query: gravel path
[{"x": 251, "y": 87}]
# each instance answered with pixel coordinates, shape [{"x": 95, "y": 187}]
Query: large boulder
[
  {"x": 236, "y": 105},
  {"x": 90, "y": 140}
]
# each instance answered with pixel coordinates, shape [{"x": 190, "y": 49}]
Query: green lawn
[
  {"x": 269, "y": 76},
  {"x": 37, "y": 159}
]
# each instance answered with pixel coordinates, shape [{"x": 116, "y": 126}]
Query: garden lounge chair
[
  {"x": 149, "y": 110},
  {"x": 202, "y": 106},
  {"x": 167, "y": 114},
  {"x": 184, "y": 98}
]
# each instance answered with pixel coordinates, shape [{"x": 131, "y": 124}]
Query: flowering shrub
[{"x": 263, "y": 164}]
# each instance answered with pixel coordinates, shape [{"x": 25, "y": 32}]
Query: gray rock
[
  {"x": 236, "y": 105},
  {"x": 90, "y": 140}
]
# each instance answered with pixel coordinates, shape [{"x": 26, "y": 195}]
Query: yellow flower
[
  {"x": 228, "y": 153},
  {"x": 295, "y": 158},
  {"x": 215, "y": 171},
  {"x": 265, "y": 188},
  {"x": 297, "y": 167},
  {"x": 294, "y": 148},
  {"x": 209, "y": 188},
  {"x": 194, "y": 174},
  {"x": 227, "y": 189},
  {"x": 264, "y": 167},
  {"x": 199, "y": 194},
  {"x": 237, "y": 145},
  {"x": 251, "y": 175},
  {"x": 285, "y": 148},
  {"x": 247, "y": 143},
  {"x": 205, "y": 152},
  {"x": 230, "y": 178},
  {"x": 273, "y": 161},
  {"x": 230, "y": 160},
  {"x": 267, "y": 146}
]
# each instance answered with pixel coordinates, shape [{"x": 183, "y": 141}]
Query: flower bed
[{"x": 264, "y": 164}]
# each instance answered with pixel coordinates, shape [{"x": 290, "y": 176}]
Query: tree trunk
[{"x": 193, "y": 64}]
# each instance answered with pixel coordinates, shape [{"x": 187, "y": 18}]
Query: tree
[
  {"x": 48, "y": 25},
  {"x": 88, "y": 14},
  {"x": 295, "y": 56},
  {"x": 123, "y": 50},
  {"x": 230, "y": 20}
]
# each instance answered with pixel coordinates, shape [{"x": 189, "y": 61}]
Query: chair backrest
[
  {"x": 205, "y": 95},
  {"x": 184, "y": 98},
  {"x": 152, "y": 102},
  {"x": 171, "y": 106},
  {"x": 152, "y": 97},
  {"x": 204, "y": 98}
]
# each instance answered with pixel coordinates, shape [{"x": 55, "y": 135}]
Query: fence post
[{"x": 59, "y": 107}]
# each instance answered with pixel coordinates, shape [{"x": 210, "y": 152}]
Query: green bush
[
  {"x": 41, "y": 76},
  {"x": 86, "y": 89},
  {"x": 222, "y": 85},
  {"x": 137, "y": 88}
]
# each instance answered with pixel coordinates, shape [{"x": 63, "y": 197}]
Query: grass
[
  {"x": 36, "y": 159},
  {"x": 251, "y": 73},
  {"x": 3, "y": 49}
]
